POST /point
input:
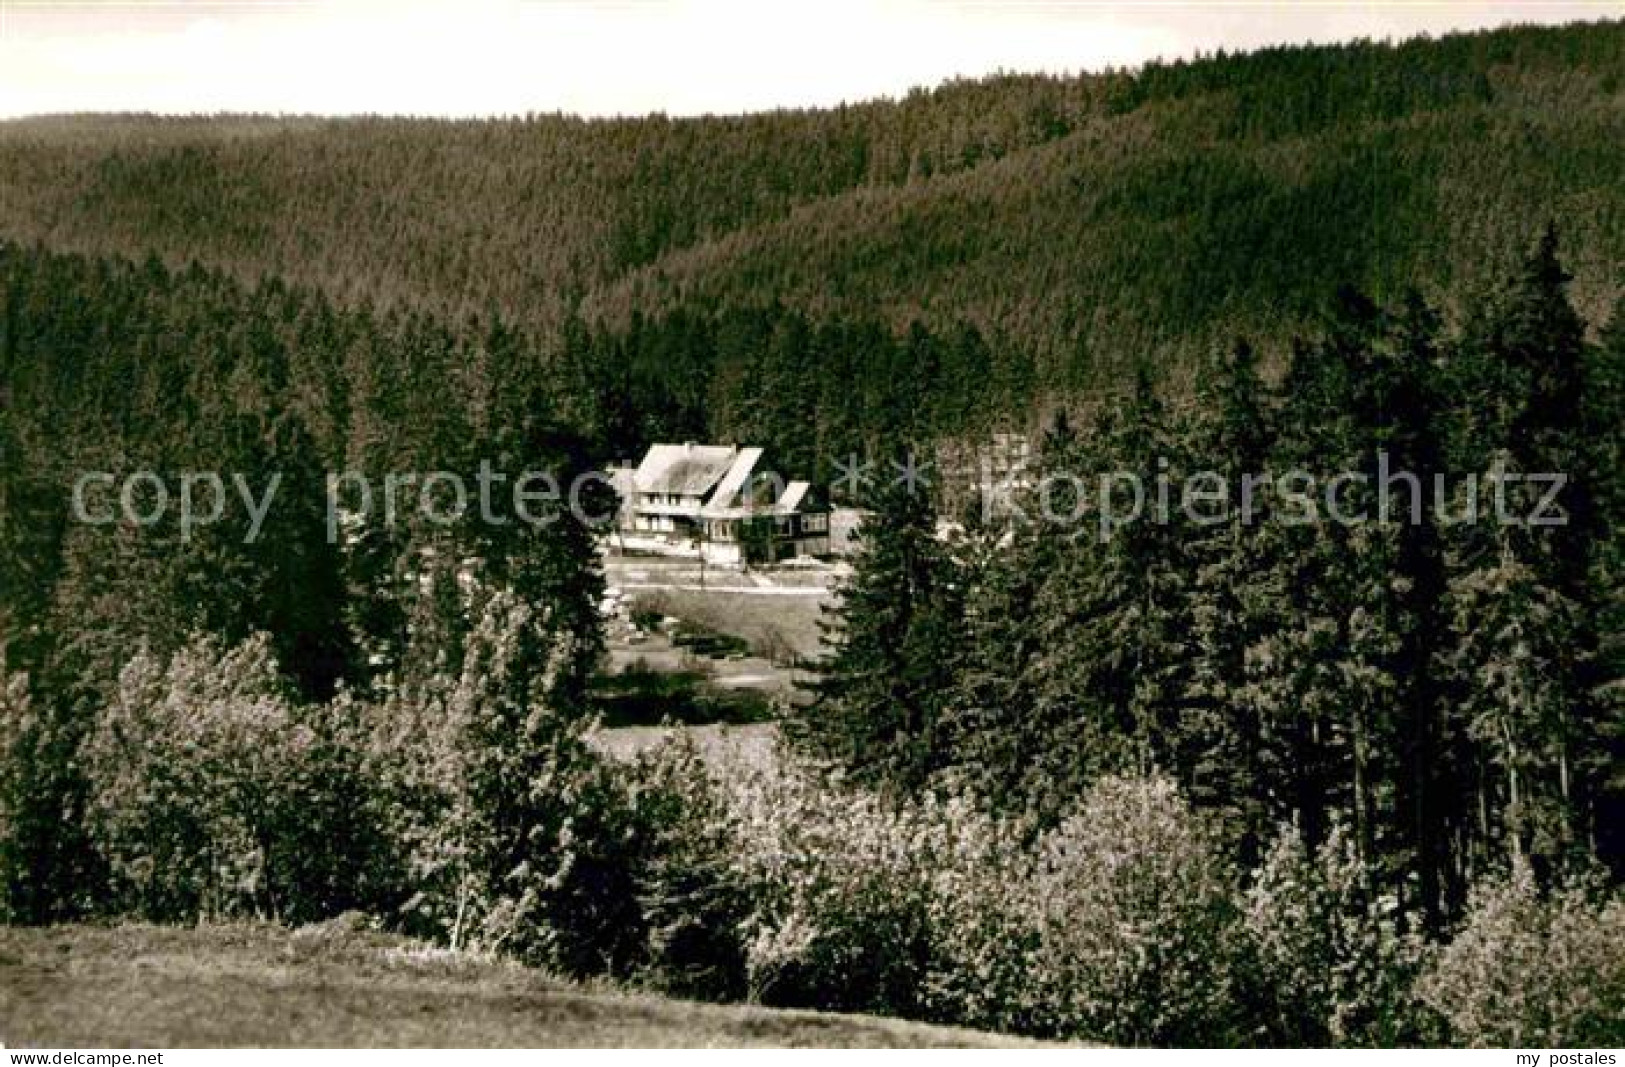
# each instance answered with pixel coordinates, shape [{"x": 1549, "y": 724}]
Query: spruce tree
[
  {"x": 1524, "y": 614},
  {"x": 1110, "y": 626},
  {"x": 880, "y": 693},
  {"x": 1218, "y": 743},
  {"x": 993, "y": 739},
  {"x": 1603, "y": 420}
]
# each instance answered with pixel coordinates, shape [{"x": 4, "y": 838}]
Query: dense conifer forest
[
  {"x": 1445, "y": 688},
  {"x": 1080, "y": 224}
]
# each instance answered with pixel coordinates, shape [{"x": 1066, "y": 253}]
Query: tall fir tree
[
  {"x": 1218, "y": 742},
  {"x": 1523, "y": 609},
  {"x": 1109, "y": 614},
  {"x": 881, "y": 691},
  {"x": 1603, "y": 421}
]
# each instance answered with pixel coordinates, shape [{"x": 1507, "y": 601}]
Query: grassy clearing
[
  {"x": 783, "y": 629},
  {"x": 330, "y": 986}
]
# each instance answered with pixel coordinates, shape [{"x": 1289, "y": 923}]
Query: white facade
[{"x": 712, "y": 500}]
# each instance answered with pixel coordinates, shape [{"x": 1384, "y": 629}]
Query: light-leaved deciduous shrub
[
  {"x": 691, "y": 891},
  {"x": 838, "y": 883},
  {"x": 1334, "y": 966},
  {"x": 16, "y": 721},
  {"x": 467, "y": 806},
  {"x": 1118, "y": 925},
  {"x": 984, "y": 947},
  {"x": 1134, "y": 909},
  {"x": 211, "y": 794},
  {"x": 509, "y": 828},
  {"x": 1127, "y": 923},
  {"x": 1533, "y": 968},
  {"x": 865, "y": 904}
]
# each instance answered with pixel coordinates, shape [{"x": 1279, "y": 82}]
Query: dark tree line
[
  {"x": 1077, "y": 222},
  {"x": 814, "y": 394},
  {"x": 199, "y": 724},
  {"x": 1445, "y": 692},
  {"x": 129, "y": 369}
]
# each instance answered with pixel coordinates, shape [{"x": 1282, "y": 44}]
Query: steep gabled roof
[
  {"x": 790, "y": 502},
  {"x": 728, "y": 489},
  {"x": 687, "y": 470}
]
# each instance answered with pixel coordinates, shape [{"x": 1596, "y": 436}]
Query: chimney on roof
[{"x": 688, "y": 446}]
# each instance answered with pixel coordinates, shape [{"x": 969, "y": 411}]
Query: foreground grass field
[
  {"x": 331, "y": 986},
  {"x": 779, "y": 613}
]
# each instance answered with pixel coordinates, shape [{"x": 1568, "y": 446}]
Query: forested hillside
[
  {"x": 1083, "y": 224},
  {"x": 1171, "y": 779}
]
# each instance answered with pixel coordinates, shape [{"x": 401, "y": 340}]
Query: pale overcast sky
[{"x": 482, "y": 57}]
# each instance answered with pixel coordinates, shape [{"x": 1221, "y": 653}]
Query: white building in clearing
[{"x": 712, "y": 501}]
